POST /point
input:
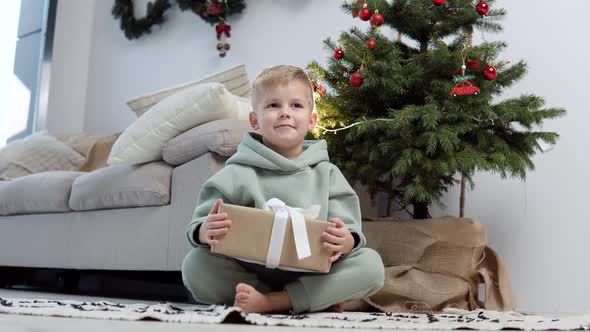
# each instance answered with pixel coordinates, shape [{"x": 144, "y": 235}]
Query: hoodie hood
[{"x": 252, "y": 152}]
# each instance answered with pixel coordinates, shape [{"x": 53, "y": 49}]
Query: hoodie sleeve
[
  {"x": 344, "y": 204},
  {"x": 213, "y": 189}
]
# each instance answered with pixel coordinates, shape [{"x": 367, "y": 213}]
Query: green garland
[
  {"x": 134, "y": 28},
  {"x": 212, "y": 11},
  {"x": 203, "y": 8}
]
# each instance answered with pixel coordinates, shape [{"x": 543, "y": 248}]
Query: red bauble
[
  {"x": 438, "y": 2},
  {"x": 371, "y": 43},
  {"x": 365, "y": 14},
  {"x": 356, "y": 79},
  {"x": 489, "y": 73},
  {"x": 473, "y": 64},
  {"x": 338, "y": 54},
  {"x": 318, "y": 88},
  {"x": 482, "y": 8},
  {"x": 377, "y": 19}
]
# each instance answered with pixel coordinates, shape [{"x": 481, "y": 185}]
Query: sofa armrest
[
  {"x": 187, "y": 180},
  {"x": 220, "y": 136}
]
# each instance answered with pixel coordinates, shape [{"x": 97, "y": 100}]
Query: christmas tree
[{"x": 414, "y": 113}]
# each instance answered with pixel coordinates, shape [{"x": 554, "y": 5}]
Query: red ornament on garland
[
  {"x": 338, "y": 54},
  {"x": 356, "y": 79},
  {"x": 365, "y": 13},
  {"x": 489, "y": 73},
  {"x": 222, "y": 29},
  {"x": 438, "y": 2},
  {"x": 214, "y": 8},
  {"x": 377, "y": 19},
  {"x": 372, "y": 44},
  {"x": 482, "y": 8}
]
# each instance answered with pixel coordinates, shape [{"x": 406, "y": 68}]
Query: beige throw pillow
[
  {"x": 234, "y": 79},
  {"x": 37, "y": 153},
  {"x": 94, "y": 147}
]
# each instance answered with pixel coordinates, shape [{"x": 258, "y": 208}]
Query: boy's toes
[
  {"x": 243, "y": 288},
  {"x": 335, "y": 308},
  {"x": 242, "y": 296}
]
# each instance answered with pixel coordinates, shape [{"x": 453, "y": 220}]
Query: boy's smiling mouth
[{"x": 285, "y": 126}]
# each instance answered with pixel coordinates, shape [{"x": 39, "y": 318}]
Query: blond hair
[{"x": 276, "y": 75}]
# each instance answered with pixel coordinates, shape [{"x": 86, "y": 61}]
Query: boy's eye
[
  {"x": 298, "y": 105},
  {"x": 273, "y": 105}
]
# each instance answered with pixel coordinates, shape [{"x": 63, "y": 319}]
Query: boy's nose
[{"x": 284, "y": 112}]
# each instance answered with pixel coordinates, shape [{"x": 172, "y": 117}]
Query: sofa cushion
[
  {"x": 37, "y": 193},
  {"x": 234, "y": 79},
  {"x": 219, "y": 136},
  {"x": 144, "y": 139},
  {"x": 122, "y": 186},
  {"x": 39, "y": 152}
]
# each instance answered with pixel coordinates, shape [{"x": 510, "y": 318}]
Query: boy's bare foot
[{"x": 251, "y": 300}]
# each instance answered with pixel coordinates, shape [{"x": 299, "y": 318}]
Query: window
[
  {"x": 26, "y": 39},
  {"x": 14, "y": 103}
]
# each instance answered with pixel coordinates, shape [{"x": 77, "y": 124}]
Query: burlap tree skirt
[{"x": 434, "y": 264}]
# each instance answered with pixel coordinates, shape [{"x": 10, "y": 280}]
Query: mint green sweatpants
[{"x": 212, "y": 279}]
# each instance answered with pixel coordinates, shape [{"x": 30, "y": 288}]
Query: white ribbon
[{"x": 281, "y": 216}]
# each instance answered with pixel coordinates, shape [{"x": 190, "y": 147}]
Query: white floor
[{"x": 19, "y": 323}]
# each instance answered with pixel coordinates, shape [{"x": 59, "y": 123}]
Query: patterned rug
[{"x": 166, "y": 312}]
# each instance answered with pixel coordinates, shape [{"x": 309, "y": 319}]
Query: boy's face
[{"x": 283, "y": 115}]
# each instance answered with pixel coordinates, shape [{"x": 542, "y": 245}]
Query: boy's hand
[
  {"x": 215, "y": 225},
  {"x": 338, "y": 239}
]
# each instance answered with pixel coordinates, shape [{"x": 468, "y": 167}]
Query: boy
[{"x": 278, "y": 163}]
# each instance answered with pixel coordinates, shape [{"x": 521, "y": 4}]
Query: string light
[{"x": 328, "y": 130}]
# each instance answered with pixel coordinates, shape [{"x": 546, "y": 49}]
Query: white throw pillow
[
  {"x": 144, "y": 139},
  {"x": 234, "y": 79}
]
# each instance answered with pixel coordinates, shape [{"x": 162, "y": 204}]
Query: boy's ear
[
  {"x": 253, "y": 120},
  {"x": 313, "y": 120}
]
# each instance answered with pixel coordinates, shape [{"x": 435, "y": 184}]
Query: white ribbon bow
[{"x": 279, "y": 226}]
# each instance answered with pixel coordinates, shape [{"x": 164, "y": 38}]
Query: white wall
[
  {"x": 537, "y": 226},
  {"x": 183, "y": 49},
  {"x": 69, "y": 78}
]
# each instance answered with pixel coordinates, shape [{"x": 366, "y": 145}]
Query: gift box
[{"x": 278, "y": 236}]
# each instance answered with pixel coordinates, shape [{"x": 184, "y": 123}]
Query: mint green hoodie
[{"x": 256, "y": 174}]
